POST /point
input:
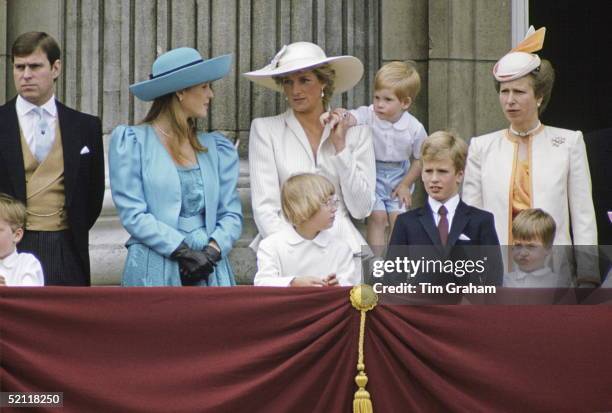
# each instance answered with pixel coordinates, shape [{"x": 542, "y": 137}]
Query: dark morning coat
[{"x": 83, "y": 173}]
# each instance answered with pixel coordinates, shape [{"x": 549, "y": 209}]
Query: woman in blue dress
[{"x": 174, "y": 187}]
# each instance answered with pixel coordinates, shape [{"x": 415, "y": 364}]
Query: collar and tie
[
  {"x": 42, "y": 142},
  {"x": 443, "y": 224}
]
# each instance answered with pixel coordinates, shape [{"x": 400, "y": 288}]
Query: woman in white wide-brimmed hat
[
  {"x": 531, "y": 165},
  {"x": 295, "y": 142},
  {"x": 175, "y": 187}
]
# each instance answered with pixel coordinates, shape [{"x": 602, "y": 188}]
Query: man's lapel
[
  {"x": 429, "y": 225},
  {"x": 10, "y": 149},
  {"x": 460, "y": 220},
  {"x": 71, "y": 144}
]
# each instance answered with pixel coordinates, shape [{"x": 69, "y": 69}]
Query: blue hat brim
[{"x": 203, "y": 72}]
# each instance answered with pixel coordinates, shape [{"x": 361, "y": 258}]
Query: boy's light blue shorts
[{"x": 388, "y": 176}]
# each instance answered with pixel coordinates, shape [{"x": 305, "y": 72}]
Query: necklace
[
  {"x": 529, "y": 132},
  {"x": 166, "y": 134}
]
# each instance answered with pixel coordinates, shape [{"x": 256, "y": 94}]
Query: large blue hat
[{"x": 179, "y": 69}]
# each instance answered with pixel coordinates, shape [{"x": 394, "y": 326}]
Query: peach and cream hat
[{"x": 521, "y": 60}]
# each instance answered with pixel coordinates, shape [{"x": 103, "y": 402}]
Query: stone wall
[{"x": 110, "y": 44}]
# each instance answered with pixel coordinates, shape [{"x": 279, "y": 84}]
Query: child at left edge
[
  {"x": 397, "y": 136},
  {"x": 306, "y": 254},
  {"x": 16, "y": 269}
]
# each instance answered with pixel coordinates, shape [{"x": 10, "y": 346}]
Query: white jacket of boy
[
  {"x": 21, "y": 270},
  {"x": 285, "y": 255}
]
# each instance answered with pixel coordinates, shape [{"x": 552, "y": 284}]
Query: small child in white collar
[
  {"x": 306, "y": 254},
  {"x": 397, "y": 136},
  {"x": 533, "y": 232},
  {"x": 15, "y": 269}
]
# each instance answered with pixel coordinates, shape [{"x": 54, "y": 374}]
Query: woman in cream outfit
[
  {"x": 295, "y": 142},
  {"x": 530, "y": 165}
]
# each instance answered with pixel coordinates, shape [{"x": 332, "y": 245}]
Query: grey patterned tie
[{"x": 42, "y": 143}]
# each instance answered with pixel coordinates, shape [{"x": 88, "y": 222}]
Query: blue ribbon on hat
[{"x": 152, "y": 76}]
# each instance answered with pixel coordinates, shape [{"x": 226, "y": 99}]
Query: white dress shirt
[
  {"x": 393, "y": 142},
  {"x": 279, "y": 148},
  {"x": 28, "y": 120},
  {"x": 540, "y": 278},
  {"x": 451, "y": 207},
  {"x": 21, "y": 270},
  {"x": 285, "y": 255}
]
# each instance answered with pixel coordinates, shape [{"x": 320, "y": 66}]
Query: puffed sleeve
[
  {"x": 265, "y": 186},
  {"x": 126, "y": 179},
  {"x": 356, "y": 168},
  {"x": 419, "y": 137},
  {"x": 229, "y": 210},
  {"x": 472, "y": 181},
  {"x": 269, "y": 266},
  {"x": 584, "y": 228}
]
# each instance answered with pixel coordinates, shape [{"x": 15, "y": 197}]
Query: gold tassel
[{"x": 363, "y": 298}]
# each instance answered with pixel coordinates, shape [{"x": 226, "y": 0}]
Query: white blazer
[
  {"x": 279, "y": 148},
  {"x": 560, "y": 177}
]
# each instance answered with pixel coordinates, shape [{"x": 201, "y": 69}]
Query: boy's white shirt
[
  {"x": 393, "y": 142},
  {"x": 451, "y": 205},
  {"x": 21, "y": 270},
  {"x": 540, "y": 278},
  {"x": 284, "y": 255}
]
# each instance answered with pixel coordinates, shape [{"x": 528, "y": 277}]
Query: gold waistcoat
[{"x": 45, "y": 187}]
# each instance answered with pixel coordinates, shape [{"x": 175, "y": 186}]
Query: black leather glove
[{"x": 194, "y": 265}]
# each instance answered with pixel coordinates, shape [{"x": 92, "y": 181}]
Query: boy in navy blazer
[{"x": 446, "y": 229}]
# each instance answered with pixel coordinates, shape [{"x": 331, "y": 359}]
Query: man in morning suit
[
  {"x": 446, "y": 228},
  {"x": 52, "y": 159}
]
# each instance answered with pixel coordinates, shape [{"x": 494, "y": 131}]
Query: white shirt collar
[
  {"x": 401, "y": 124},
  {"x": 24, "y": 107},
  {"x": 322, "y": 239},
  {"x": 450, "y": 204},
  {"x": 10, "y": 261}
]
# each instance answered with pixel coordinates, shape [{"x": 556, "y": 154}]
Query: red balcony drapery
[{"x": 250, "y": 349}]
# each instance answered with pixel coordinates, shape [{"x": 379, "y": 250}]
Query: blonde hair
[
  {"x": 326, "y": 75},
  {"x": 534, "y": 223},
  {"x": 302, "y": 196},
  {"x": 185, "y": 128},
  {"x": 12, "y": 211},
  {"x": 401, "y": 77},
  {"x": 442, "y": 145}
]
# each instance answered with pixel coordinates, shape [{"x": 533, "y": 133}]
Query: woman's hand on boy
[
  {"x": 402, "y": 193},
  {"x": 334, "y": 117}
]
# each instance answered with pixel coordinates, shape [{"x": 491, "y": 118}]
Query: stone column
[
  {"x": 466, "y": 39},
  {"x": 25, "y": 16}
]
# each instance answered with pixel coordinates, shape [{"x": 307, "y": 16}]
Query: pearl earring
[{"x": 322, "y": 93}]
